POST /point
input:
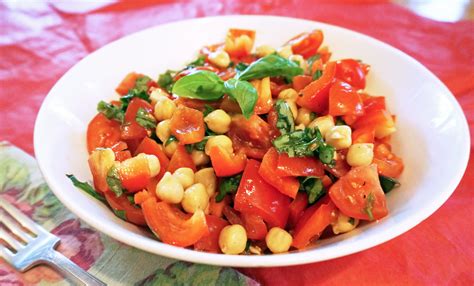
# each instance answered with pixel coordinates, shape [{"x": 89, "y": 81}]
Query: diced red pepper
[
  {"x": 264, "y": 101},
  {"x": 388, "y": 164},
  {"x": 372, "y": 103},
  {"x": 131, "y": 129},
  {"x": 128, "y": 83},
  {"x": 251, "y": 136},
  {"x": 286, "y": 185},
  {"x": 210, "y": 242},
  {"x": 181, "y": 159},
  {"x": 299, "y": 166},
  {"x": 132, "y": 213},
  {"x": 226, "y": 164},
  {"x": 235, "y": 46},
  {"x": 301, "y": 81},
  {"x": 297, "y": 207},
  {"x": 102, "y": 133},
  {"x": 134, "y": 174},
  {"x": 306, "y": 44},
  {"x": 254, "y": 226},
  {"x": 344, "y": 100},
  {"x": 350, "y": 71},
  {"x": 363, "y": 135},
  {"x": 187, "y": 124},
  {"x": 149, "y": 146}
]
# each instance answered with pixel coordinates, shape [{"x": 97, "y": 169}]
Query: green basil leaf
[
  {"x": 326, "y": 154},
  {"x": 200, "y": 61},
  {"x": 171, "y": 139},
  {"x": 313, "y": 186},
  {"x": 271, "y": 65},
  {"x": 200, "y": 146},
  {"x": 228, "y": 186},
  {"x": 312, "y": 59},
  {"x": 120, "y": 213},
  {"x": 299, "y": 143},
  {"x": 204, "y": 85},
  {"x": 113, "y": 181},
  {"x": 125, "y": 100},
  {"x": 111, "y": 111},
  {"x": 145, "y": 119},
  {"x": 388, "y": 183},
  {"x": 244, "y": 93},
  {"x": 285, "y": 122},
  {"x": 317, "y": 74},
  {"x": 85, "y": 187},
  {"x": 207, "y": 109},
  {"x": 141, "y": 85},
  {"x": 165, "y": 80}
]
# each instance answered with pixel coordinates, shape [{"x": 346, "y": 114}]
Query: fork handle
[{"x": 71, "y": 270}]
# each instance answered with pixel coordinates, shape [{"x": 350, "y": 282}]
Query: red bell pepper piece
[
  {"x": 187, "y": 125},
  {"x": 315, "y": 96},
  {"x": 380, "y": 120},
  {"x": 122, "y": 204},
  {"x": 268, "y": 169},
  {"x": 344, "y": 100},
  {"x": 350, "y": 71},
  {"x": 298, "y": 166},
  {"x": 363, "y": 135},
  {"x": 388, "y": 164},
  {"x": 258, "y": 197},
  {"x": 233, "y": 44},
  {"x": 181, "y": 159},
  {"x": 210, "y": 242},
  {"x": 254, "y": 226},
  {"x": 102, "y": 133},
  {"x": 264, "y": 101},
  {"x": 131, "y": 129},
  {"x": 297, "y": 207},
  {"x": 301, "y": 81},
  {"x": 372, "y": 103},
  {"x": 306, "y": 44},
  {"x": 149, "y": 146},
  {"x": 134, "y": 174},
  {"x": 226, "y": 164},
  {"x": 128, "y": 83}
]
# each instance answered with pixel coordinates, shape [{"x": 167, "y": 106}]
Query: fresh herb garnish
[
  {"x": 317, "y": 74},
  {"x": 326, "y": 154},
  {"x": 171, "y": 139},
  {"x": 111, "y": 111},
  {"x": 313, "y": 186},
  {"x": 240, "y": 67},
  {"x": 312, "y": 59},
  {"x": 120, "y": 213},
  {"x": 145, "y": 119},
  {"x": 228, "y": 186},
  {"x": 200, "y": 61},
  {"x": 369, "y": 200},
  {"x": 388, "y": 183},
  {"x": 244, "y": 93},
  {"x": 271, "y": 65},
  {"x": 207, "y": 109},
  {"x": 204, "y": 85},
  {"x": 85, "y": 187},
  {"x": 299, "y": 143},
  {"x": 165, "y": 80},
  {"x": 125, "y": 100},
  {"x": 113, "y": 181},
  {"x": 352, "y": 221},
  {"x": 141, "y": 85},
  {"x": 285, "y": 122},
  {"x": 200, "y": 146}
]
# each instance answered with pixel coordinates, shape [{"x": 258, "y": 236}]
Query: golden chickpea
[
  {"x": 233, "y": 239},
  {"x": 278, "y": 240}
]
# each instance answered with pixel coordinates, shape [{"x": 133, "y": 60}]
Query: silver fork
[{"x": 37, "y": 247}]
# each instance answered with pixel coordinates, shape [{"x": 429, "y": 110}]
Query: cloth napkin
[
  {"x": 40, "y": 40},
  {"x": 115, "y": 263}
]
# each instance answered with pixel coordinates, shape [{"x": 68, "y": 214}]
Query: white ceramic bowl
[{"x": 432, "y": 137}]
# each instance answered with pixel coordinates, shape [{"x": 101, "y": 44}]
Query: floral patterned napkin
[{"x": 115, "y": 263}]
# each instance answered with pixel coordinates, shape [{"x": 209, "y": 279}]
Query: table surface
[{"x": 40, "y": 41}]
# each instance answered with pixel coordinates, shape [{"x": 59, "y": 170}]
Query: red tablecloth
[{"x": 40, "y": 41}]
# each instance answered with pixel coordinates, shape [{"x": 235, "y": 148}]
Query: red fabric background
[{"x": 39, "y": 42}]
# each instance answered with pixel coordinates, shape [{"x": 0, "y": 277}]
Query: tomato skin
[
  {"x": 150, "y": 147},
  {"x": 256, "y": 196},
  {"x": 372, "y": 103},
  {"x": 102, "y": 133},
  {"x": 299, "y": 166},
  {"x": 251, "y": 136},
  {"x": 388, "y": 164},
  {"x": 297, "y": 206},
  {"x": 306, "y": 44},
  {"x": 315, "y": 96},
  {"x": 351, "y": 192},
  {"x": 254, "y": 226},
  {"x": 196, "y": 103},
  {"x": 341, "y": 167},
  {"x": 170, "y": 224},
  {"x": 128, "y": 83},
  {"x": 378, "y": 119},
  {"x": 121, "y": 152},
  {"x": 210, "y": 242},
  {"x": 344, "y": 100},
  {"x": 350, "y": 71},
  {"x": 181, "y": 159},
  {"x": 286, "y": 185},
  {"x": 131, "y": 129},
  {"x": 132, "y": 214},
  {"x": 363, "y": 135},
  {"x": 233, "y": 44},
  {"x": 187, "y": 124},
  {"x": 272, "y": 119},
  {"x": 134, "y": 174},
  {"x": 301, "y": 81},
  {"x": 226, "y": 164},
  {"x": 313, "y": 222},
  {"x": 216, "y": 208}
]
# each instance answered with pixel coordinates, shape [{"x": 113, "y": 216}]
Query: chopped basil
[
  {"x": 165, "y": 80},
  {"x": 326, "y": 154},
  {"x": 120, "y": 213},
  {"x": 388, "y": 183},
  {"x": 340, "y": 121},
  {"x": 113, "y": 181},
  {"x": 271, "y": 65},
  {"x": 200, "y": 61},
  {"x": 207, "y": 109},
  {"x": 369, "y": 200},
  {"x": 111, "y": 111},
  {"x": 317, "y": 74},
  {"x": 285, "y": 122},
  {"x": 244, "y": 93},
  {"x": 200, "y": 146},
  {"x": 141, "y": 85},
  {"x": 299, "y": 143},
  {"x": 312, "y": 59},
  {"x": 125, "y": 100},
  {"x": 313, "y": 186},
  {"x": 241, "y": 67},
  {"x": 352, "y": 221},
  {"x": 131, "y": 199},
  {"x": 85, "y": 187},
  {"x": 189, "y": 148},
  {"x": 145, "y": 119},
  {"x": 171, "y": 139},
  {"x": 204, "y": 85},
  {"x": 228, "y": 185}
]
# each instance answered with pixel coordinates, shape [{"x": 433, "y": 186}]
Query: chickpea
[
  {"x": 170, "y": 148},
  {"x": 153, "y": 164},
  {"x": 218, "y": 121},
  {"x": 169, "y": 189},
  {"x": 185, "y": 176},
  {"x": 164, "y": 108},
  {"x": 199, "y": 158},
  {"x": 288, "y": 94},
  {"x": 360, "y": 154},
  {"x": 208, "y": 178},
  {"x": 278, "y": 240},
  {"x": 264, "y": 50},
  {"x": 156, "y": 94},
  {"x": 163, "y": 130},
  {"x": 344, "y": 224},
  {"x": 233, "y": 239},
  {"x": 304, "y": 116},
  {"x": 293, "y": 107},
  {"x": 221, "y": 141},
  {"x": 340, "y": 137},
  {"x": 219, "y": 58},
  {"x": 285, "y": 51},
  {"x": 324, "y": 124},
  {"x": 195, "y": 198}
]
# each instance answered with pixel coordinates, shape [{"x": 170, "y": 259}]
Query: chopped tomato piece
[
  {"x": 131, "y": 129},
  {"x": 277, "y": 86},
  {"x": 380, "y": 120},
  {"x": 239, "y": 43},
  {"x": 187, "y": 125},
  {"x": 344, "y": 100},
  {"x": 216, "y": 208},
  {"x": 264, "y": 101},
  {"x": 128, "y": 83},
  {"x": 358, "y": 194},
  {"x": 134, "y": 174},
  {"x": 313, "y": 222},
  {"x": 210, "y": 242},
  {"x": 301, "y": 81},
  {"x": 230, "y": 105},
  {"x": 251, "y": 136},
  {"x": 102, "y": 133},
  {"x": 363, "y": 135},
  {"x": 306, "y": 44},
  {"x": 226, "y": 164},
  {"x": 231, "y": 215},
  {"x": 341, "y": 167},
  {"x": 388, "y": 164},
  {"x": 254, "y": 226},
  {"x": 196, "y": 103},
  {"x": 372, "y": 103},
  {"x": 132, "y": 213},
  {"x": 258, "y": 197},
  {"x": 286, "y": 185},
  {"x": 325, "y": 54},
  {"x": 272, "y": 119},
  {"x": 121, "y": 152},
  {"x": 194, "y": 69},
  {"x": 315, "y": 96},
  {"x": 149, "y": 146},
  {"x": 297, "y": 206},
  {"x": 181, "y": 159},
  {"x": 170, "y": 224},
  {"x": 350, "y": 71},
  {"x": 299, "y": 166}
]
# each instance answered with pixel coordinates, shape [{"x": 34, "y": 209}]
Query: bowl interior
[{"x": 429, "y": 123}]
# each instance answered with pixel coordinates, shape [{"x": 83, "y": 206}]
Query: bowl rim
[{"x": 286, "y": 259}]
